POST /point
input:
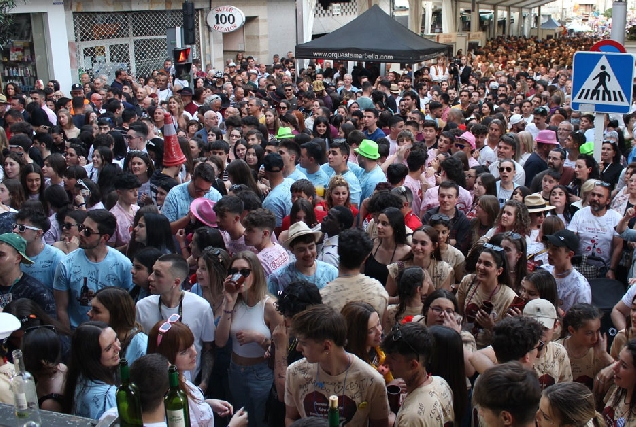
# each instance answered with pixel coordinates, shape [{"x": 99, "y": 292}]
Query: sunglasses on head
[
  {"x": 33, "y": 328},
  {"x": 603, "y": 184},
  {"x": 165, "y": 327},
  {"x": 512, "y": 235},
  {"x": 86, "y": 230},
  {"x": 397, "y": 336},
  {"x": 244, "y": 271},
  {"x": 493, "y": 247},
  {"x": 439, "y": 217}
]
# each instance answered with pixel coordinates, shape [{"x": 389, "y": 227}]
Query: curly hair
[
  {"x": 337, "y": 181},
  {"x": 522, "y": 218}
]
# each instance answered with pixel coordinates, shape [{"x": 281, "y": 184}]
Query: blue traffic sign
[{"x": 602, "y": 80}]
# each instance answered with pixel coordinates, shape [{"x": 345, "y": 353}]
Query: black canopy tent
[{"x": 373, "y": 36}]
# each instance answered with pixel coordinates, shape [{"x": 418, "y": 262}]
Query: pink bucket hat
[
  {"x": 469, "y": 138},
  {"x": 547, "y": 137}
]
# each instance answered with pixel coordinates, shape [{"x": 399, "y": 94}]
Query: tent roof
[
  {"x": 372, "y": 36},
  {"x": 550, "y": 24}
]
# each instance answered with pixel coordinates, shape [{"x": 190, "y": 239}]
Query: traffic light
[
  {"x": 188, "y": 23},
  {"x": 182, "y": 66}
]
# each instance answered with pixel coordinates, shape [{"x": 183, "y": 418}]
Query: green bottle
[
  {"x": 176, "y": 402},
  {"x": 334, "y": 413},
  {"x": 128, "y": 404}
]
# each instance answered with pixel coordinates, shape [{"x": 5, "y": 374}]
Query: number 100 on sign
[{"x": 226, "y": 19}]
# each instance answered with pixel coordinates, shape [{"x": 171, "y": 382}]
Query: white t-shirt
[
  {"x": 572, "y": 289},
  {"x": 487, "y": 156},
  {"x": 596, "y": 233},
  {"x": 273, "y": 258},
  {"x": 196, "y": 313}
]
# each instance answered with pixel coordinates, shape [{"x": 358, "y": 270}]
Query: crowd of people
[{"x": 420, "y": 244}]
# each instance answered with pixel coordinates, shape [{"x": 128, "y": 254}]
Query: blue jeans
[{"x": 250, "y": 387}]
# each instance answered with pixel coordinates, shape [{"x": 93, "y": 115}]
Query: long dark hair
[
  {"x": 85, "y": 361},
  {"x": 158, "y": 234},
  {"x": 357, "y": 314},
  {"x": 396, "y": 221},
  {"x": 622, "y": 393},
  {"x": 240, "y": 172},
  {"x": 24, "y": 172},
  {"x": 121, "y": 308},
  {"x": 433, "y": 234},
  {"x": 408, "y": 281},
  {"x": 447, "y": 361}
]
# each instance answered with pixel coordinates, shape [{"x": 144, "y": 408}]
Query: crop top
[{"x": 250, "y": 319}]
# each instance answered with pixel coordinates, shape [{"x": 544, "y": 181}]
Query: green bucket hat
[
  {"x": 587, "y": 148},
  {"x": 284, "y": 133},
  {"x": 368, "y": 149}
]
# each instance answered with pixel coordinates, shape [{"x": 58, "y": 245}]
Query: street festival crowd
[{"x": 425, "y": 244}]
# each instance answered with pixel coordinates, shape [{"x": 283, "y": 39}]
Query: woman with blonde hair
[
  {"x": 179, "y": 115},
  {"x": 337, "y": 194},
  {"x": 249, "y": 317},
  {"x": 568, "y": 404},
  {"x": 4, "y": 141},
  {"x": 526, "y": 146},
  {"x": 65, "y": 120}
]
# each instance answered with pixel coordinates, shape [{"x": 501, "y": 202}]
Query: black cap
[
  {"x": 565, "y": 238},
  {"x": 273, "y": 162},
  {"x": 186, "y": 91},
  {"x": 542, "y": 111},
  {"x": 76, "y": 87}
]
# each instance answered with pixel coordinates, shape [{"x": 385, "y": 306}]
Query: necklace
[
  {"x": 564, "y": 274},
  {"x": 321, "y": 385},
  {"x": 180, "y": 309}
]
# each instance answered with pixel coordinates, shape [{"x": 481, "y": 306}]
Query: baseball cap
[
  {"x": 8, "y": 324},
  {"x": 17, "y": 243},
  {"x": 542, "y": 311},
  {"x": 273, "y": 162},
  {"x": 494, "y": 86},
  {"x": 186, "y": 91},
  {"x": 231, "y": 64},
  {"x": 516, "y": 119},
  {"x": 565, "y": 238},
  {"x": 76, "y": 87}
]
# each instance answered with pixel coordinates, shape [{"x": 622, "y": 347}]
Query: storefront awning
[{"x": 526, "y": 4}]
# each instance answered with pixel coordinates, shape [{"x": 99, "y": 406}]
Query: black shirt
[{"x": 31, "y": 288}]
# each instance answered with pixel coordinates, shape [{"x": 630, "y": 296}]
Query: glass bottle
[
  {"x": 176, "y": 402},
  {"x": 25, "y": 397},
  {"x": 334, "y": 413},
  {"x": 128, "y": 404}
]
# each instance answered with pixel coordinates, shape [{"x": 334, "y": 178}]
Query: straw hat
[
  {"x": 300, "y": 229},
  {"x": 535, "y": 203}
]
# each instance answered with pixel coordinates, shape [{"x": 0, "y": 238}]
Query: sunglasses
[
  {"x": 439, "y": 217},
  {"x": 512, "y": 235},
  {"x": 68, "y": 226},
  {"x": 540, "y": 346},
  {"x": 397, "y": 336},
  {"x": 603, "y": 184},
  {"x": 505, "y": 169},
  {"x": 165, "y": 327},
  {"x": 22, "y": 228},
  {"x": 244, "y": 271},
  {"x": 493, "y": 247},
  {"x": 33, "y": 328},
  {"x": 460, "y": 146},
  {"x": 86, "y": 230}
]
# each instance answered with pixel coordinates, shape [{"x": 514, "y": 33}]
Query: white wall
[
  {"x": 57, "y": 40},
  {"x": 282, "y": 20}
]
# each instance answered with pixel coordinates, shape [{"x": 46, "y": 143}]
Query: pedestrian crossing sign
[{"x": 602, "y": 82}]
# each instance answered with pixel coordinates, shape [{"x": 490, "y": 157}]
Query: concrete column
[
  {"x": 474, "y": 18},
  {"x": 508, "y": 22},
  {"x": 495, "y": 19},
  {"x": 428, "y": 15},
  {"x": 57, "y": 36},
  {"x": 448, "y": 17}
]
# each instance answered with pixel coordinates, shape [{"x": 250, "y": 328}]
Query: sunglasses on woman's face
[
  {"x": 244, "y": 271},
  {"x": 505, "y": 169},
  {"x": 68, "y": 225}
]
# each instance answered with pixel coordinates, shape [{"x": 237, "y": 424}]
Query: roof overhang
[{"x": 525, "y": 4}]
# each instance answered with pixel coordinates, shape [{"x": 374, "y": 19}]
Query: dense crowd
[{"x": 424, "y": 244}]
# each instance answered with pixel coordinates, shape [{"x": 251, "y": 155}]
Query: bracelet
[
  {"x": 228, "y": 312},
  {"x": 81, "y": 204}
]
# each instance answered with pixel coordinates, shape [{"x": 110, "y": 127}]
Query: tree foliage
[{"x": 6, "y": 21}]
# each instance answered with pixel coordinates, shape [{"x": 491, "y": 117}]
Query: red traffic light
[{"x": 181, "y": 55}]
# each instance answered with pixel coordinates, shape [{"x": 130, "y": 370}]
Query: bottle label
[
  {"x": 21, "y": 402},
  {"x": 176, "y": 419}
]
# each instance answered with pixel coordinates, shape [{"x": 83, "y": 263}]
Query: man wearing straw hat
[{"x": 302, "y": 243}]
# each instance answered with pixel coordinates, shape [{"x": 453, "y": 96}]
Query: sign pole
[
  {"x": 619, "y": 21},
  {"x": 599, "y": 129}
]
